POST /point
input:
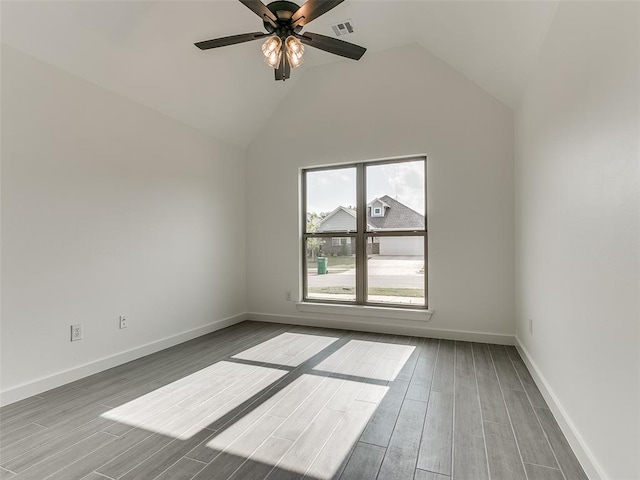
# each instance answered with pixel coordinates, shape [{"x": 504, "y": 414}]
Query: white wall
[
  {"x": 108, "y": 208},
  {"x": 400, "y": 102},
  {"x": 578, "y": 227}
]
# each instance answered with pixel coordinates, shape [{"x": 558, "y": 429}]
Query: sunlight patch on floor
[
  {"x": 213, "y": 393},
  {"x": 369, "y": 355},
  {"x": 290, "y": 349},
  {"x": 285, "y": 430}
]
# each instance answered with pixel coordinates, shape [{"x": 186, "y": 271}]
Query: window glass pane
[
  {"x": 331, "y": 268},
  {"x": 396, "y": 270},
  {"x": 331, "y": 200},
  {"x": 395, "y": 196}
]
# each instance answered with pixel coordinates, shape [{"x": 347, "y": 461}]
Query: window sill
[{"x": 420, "y": 315}]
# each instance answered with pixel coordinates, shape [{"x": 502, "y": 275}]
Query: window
[{"x": 364, "y": 238}]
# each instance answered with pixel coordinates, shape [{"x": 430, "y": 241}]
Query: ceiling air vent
[{"x": 343, "y": 28}]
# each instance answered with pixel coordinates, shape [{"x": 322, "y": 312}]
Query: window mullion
[{"x": 361, "y": 245}]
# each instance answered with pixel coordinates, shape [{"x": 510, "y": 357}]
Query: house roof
[
  {"x": 321, "y": 226},
  {"x": 397, "y": 216},
  {"x": 385, "y": 204}
]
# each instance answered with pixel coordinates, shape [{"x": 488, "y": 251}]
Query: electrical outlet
[
  {"x": 123, "y": 322},
  {"x": 287, "y": 296},
  {"x": 531, "y": 326},
  {"x": 76, "y": 332}
]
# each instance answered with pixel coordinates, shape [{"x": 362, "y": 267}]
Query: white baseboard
[
  {"x": 61, "y": 378},
  {"x": 379, "y": 325},
  {"x": 586, "y": 458}
]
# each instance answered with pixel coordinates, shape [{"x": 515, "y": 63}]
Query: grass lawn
[
  {"x": 347, "y": 261},
  {"x": 334, "y": 264},
  {"x": 383, "y": 291}
]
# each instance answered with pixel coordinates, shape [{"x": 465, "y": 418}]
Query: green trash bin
[{"x": 322, "y": 265}]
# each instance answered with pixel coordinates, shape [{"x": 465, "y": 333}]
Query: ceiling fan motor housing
[{"x": 283, "y": 10}]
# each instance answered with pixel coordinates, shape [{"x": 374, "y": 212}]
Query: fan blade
[
  {"x": 259, "y": 9},
  {"x": 232, "y": 40},
  {"x": 332, "y": 45},
  {"x": 311, "y": 10}
]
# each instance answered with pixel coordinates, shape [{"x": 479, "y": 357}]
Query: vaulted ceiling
[{"x": 144, "y": 50}]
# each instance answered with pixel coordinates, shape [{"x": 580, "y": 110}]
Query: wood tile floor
[{"x": 271, "y": 401}]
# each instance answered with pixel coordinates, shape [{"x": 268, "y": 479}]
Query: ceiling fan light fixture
[
  {"x": 272, "y": 51},
  {"x": 273, "y": 60},
  {"x": 295, "y": 51}
]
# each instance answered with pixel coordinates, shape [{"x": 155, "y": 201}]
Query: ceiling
[{"x": 144, "y": 50}]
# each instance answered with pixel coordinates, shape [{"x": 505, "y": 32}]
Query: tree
[{"x": 313, "y": 244}]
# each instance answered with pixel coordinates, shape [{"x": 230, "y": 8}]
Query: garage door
[{"x": 401, "y": 246}]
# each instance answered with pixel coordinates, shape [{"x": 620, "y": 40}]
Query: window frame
[{"x": 361, "y": 235}]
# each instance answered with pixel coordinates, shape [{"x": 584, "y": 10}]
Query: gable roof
[
  {"x": 396, "y": 216},
  {"x": 325, "y": 225},
  {"x": 378, "y": 200}
]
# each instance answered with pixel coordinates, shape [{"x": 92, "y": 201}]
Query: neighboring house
[{"x": 383, "y": 214}]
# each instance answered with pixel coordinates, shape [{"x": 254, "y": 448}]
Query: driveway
[
  {"x": 383, "y": 271},
  {"x": 395, "y": 265}
]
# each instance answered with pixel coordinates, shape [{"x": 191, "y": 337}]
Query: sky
[{"x": 328, "y": 189}]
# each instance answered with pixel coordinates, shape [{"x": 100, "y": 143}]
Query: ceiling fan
[{"x": 283, "y": 21}]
